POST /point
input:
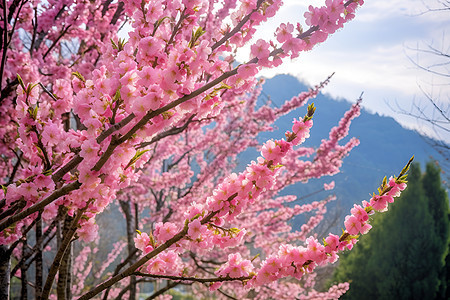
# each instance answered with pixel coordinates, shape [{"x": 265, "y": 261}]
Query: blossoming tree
[{"x": 156, "y": 123}]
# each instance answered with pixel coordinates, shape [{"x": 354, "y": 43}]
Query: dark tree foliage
[{"x": 404, "y": 255}]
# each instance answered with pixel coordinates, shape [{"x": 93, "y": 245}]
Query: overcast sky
[{"x": 373, "y": 54}]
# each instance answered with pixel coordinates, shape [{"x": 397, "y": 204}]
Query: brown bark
[
  {"x": 64, "y": 276},
  {"x": 23, "y": 275},
  {"x": 39, "y": 256},
  {"x": 131, "y": 229},
  {"x": 5, "y": 269}
]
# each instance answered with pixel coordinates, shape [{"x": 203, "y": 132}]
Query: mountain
[{"x": 385, "y": 146}]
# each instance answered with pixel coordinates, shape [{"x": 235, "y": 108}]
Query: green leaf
[
  {"x": 138, "y": 155},
  {"x": 30, "y": 87},
  {"x": 255, "y": 257},
  {"x": 310, "y": 113},
  {"x": 384, "y": 182},
  {"x": 114, "y": 44},
  {"x": 33, "y": 112},
  {"x": 195, "y": 36},
  {"x": 116, "y": 95},
  {"x": 121, "y": 44},
  {"x": 234, "y": 230},
  {"x": 406, "y": 168},
  {"x": 79, "y": 76},
  {"x": 158, "y": 23},
  {"x": 48, "y": 172},
  {"x": 21, "y": 82}
]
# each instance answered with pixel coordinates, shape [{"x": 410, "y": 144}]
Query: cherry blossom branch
[
  {"x": 118, "y": 268},
  {"x": 10, "y": 87},
  {"x": 151, "y": 114},
  {"x": 117, "y": 13},
  {"x": 19, "y": 158},
  {"x": 61, "y": 251},
  {"x": 130, "y": 270},
  {"x": 226, "y": 295},
  {"x": 56, "y": 41},
  {"x": 77, "y": 159},
  {"x": 29, "y": 259},
  {"x": 171, "y": 131},
  {"x": 15, "y": 21},
  {"x": 195, "y": 279},
  {"x": 40, "y": 205},
  {"x": 175, "y": 30},
  {"x": 5, "y": 42},
  {"x": 12, "y": 8},
  {"x": 47, "y": 91},
  {"x": 237, "y": 28},
  {"x": 106, "y": 7},
  {"x": 163, "y": 290}
]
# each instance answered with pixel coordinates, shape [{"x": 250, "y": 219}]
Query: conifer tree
[
  {"x": 403, "y": 257},
  {"x": 438, "y": 203}
]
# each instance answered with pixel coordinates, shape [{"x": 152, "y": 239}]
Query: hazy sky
[{"x": 373, "y": 53}]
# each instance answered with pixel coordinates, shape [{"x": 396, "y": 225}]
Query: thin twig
[{"x": 56, "y": 41}]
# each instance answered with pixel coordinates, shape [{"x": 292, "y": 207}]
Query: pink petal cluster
[{"x": 235, "y": 267}]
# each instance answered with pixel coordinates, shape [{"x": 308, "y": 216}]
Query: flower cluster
[
  {"x": 235, "y": 267},
  {"x": 296, "y": 261}
]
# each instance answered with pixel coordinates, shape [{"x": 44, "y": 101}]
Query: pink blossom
[
  {"x": 196, "y": 229},
  {"x": 88, "y": 231},
  {"x": 51, "y": 135},
  {"x": 141, "y": 241},
  {"x": 271, "y": 151},
  {"x": 329, "y": 186},
  {"x": 165, "y": 231},
  {"x": 359, "y": 213},
  {"x": 284, "y": 32},
  {"x": 260, "y": 49},
  {"x": 352, "y": 225}
]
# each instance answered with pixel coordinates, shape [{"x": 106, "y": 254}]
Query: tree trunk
[
  {"x": 23, "y": 275},
  {"x": 63, "y": 284},
  {"x": 5, "y": 269},
  {"x": 38, "y": 261},
  {"x": 131, "y": 229}
]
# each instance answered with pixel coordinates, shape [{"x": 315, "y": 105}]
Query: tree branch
[{"x": 40, "y": 205}]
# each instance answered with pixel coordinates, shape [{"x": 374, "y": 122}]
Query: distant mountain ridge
[{"x": 384, "y": 149}]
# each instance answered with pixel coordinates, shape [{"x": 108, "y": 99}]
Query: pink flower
[
  {"x": 329, "y": 186},
  {"x": 88, "y": 230},
  {"x": 360, "y": 213},
  {"x": 141, "y": 241},
  {"x": 247, "y": 70},
  {"x": 165, "y": 231},
  {"x": 51, "y": 135},
  {"x": 352, "y": 225},
  {"x": 379, "y": 203},
  {"x": 89, "y": 149},
  {"x": 301, "y": 131},
  {"x": 293, "y": 46},
  {"x": 260, "y": 49},
  {"x": 196, "y": 229},
  {"x": 284, "y": 32},
  {"x": 332, "y": 243},
  {"x": 271, "y": 151}
]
